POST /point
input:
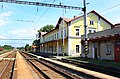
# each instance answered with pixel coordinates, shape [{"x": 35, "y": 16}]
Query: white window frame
[
  {"x": 65, "y": 34},
  {"x": 91, "y": 22},
  {"x": 92, "y": 30},
  {"x": 108, "y": 49},
  {"x": 77, "y": 32},
  {"x": 77, "y": 51},
  {"x": 61, "y": 33}
]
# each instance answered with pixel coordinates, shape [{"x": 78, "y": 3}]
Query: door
[
  {"x": 117, "y": 54},
  {"x": 95, "y": 53}
]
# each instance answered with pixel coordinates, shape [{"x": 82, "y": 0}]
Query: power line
[
  {"x": 43, "y": 14},
  {"x": 42, "y": 4},
  {"x": 37, "y": 10},
  {"x": 19, "y": 20},
  {"x": 12, "y": 43},
  {"x": 16, "y": 39},
  {"x": 110, "y": 8}
]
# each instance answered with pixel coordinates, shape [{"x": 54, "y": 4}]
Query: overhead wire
[
  {"x": 19, "y": 20},
  {"x": 4, "y": 29},
  {"x": 43, "y": 14},
  {"x": 110, "y": 8},
  {"x": 3, "y": 18},
  {"x": 37, "y": 10}
]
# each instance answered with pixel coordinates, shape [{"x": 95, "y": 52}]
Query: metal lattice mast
[
  {"x": 41, "y": 4},
  {"x": 85, "y": 29}
]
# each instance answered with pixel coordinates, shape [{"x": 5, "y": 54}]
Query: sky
[{"x": 22, "y": 21}]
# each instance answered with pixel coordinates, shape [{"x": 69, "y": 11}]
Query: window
[
  {"x": 108, "y": 49},
  {"x": 91, "y": 30},
  {"x": 77, "y": 48},
  {"x": 77, "y": 32},
  {"x": 91, "y": 22},
  {"x": 94, "y": 31},
  {"x": 52, "y": 37},
  {"x": 65, "y": 33},
  {"x": 61, "y": 33},
  {"x": 57, "y": 35}
]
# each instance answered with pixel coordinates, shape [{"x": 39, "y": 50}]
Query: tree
[
  {"x": 46, "y": 28},
  {"x": 8, "y": 47},
  {"x": 20, "y": 48},
  {"x": 27, "y": 47}
]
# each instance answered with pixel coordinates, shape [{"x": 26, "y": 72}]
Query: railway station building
[
  {"x": 66, "y": 36},
  {"x": 104, "y": 44}
]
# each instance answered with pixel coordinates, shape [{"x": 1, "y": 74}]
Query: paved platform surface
[
  {"x": 23, "y": 69},
  {"x": 86, "y": 71}
]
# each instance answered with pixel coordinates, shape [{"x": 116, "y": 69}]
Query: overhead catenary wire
[
  {"x": 51, "y": 5},
  {"x": 43, "y": 14},
  {"x": 19, "y": 20},
  {"x": 37, "y": 10},
  {"x": 110, "y": 8}
]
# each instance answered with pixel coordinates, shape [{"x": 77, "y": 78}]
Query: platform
[
  {"x": 24, "y": 71},
  {"x": 86, "y": 71}
]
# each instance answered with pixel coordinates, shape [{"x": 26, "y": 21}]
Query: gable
[{"x": 94, "y": 15}]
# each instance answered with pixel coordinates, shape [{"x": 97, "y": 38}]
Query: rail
[
  {"x": 58, "y": 70},
  {"x": 99, "y": 68}
]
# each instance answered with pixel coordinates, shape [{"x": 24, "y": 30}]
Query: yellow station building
[{"x": 66, "y": 36}]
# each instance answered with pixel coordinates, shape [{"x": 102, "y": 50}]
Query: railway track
[
  {"x": 99, "y": 68},
  {"x": 7, "y": 66},
  {"x": 50, "y": 71},
  {"x": 69, "y": 71}
]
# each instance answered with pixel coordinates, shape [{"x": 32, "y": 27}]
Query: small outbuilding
[{"x": 104, "y": 44}]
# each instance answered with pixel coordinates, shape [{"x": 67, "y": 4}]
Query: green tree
[
  {"x": 35, "y": 41},
  {"x": 46, "y": 28},
  {"x": 7, "y": 47},
  {"x": 27, "y": 47},
  {"x": 20, "y": 48}
]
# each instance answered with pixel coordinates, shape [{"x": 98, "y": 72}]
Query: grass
[
  {"x": 1, "y": 52},
  {"x": 99, "y": 62}
]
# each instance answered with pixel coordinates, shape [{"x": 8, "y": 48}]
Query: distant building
[
  {"x": 104, "y": 44},
  {"x": 71, "y": 30}
]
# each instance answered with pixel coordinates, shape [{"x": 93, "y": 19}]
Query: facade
[
  {"x": 66, "y": 36},
  {"x": 104, "y": 44}
]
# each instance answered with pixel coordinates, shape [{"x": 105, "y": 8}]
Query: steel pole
[{"x": 85, "y": 30}]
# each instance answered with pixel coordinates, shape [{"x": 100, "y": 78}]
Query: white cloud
[
  {"x": 23, "y": 33},
  {"x": 3, "y": 17},
  {"x": 6, "y": 14},
  {"x": 2, "y": 37}
]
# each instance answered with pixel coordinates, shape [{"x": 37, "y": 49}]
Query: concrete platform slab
[{"x": 23, "y": 69}]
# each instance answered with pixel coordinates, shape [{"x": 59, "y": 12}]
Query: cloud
[
  {"x": 6, "y": 14},
  {"x": 2, "y": 37},
  {"x": 23, "y": 33},
  {"x": 3, "y": 17}
]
